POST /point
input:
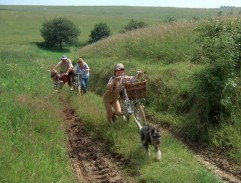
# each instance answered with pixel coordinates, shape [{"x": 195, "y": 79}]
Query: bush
[
  {"x": 99, "y": 32},
  {"x": 59, "y": 31},
  {"x": 133, "y": 25},
  {"x": 216, "y": 90}
]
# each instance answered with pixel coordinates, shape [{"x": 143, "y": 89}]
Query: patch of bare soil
[{"x": 90, "y": 161}]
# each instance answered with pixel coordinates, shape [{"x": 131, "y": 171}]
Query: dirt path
[{"x": 92, "y": 163}]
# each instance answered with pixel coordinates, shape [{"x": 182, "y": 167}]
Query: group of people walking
[
  {"x": 67, "y": 71},
  {"x": 114, "y": 85}
]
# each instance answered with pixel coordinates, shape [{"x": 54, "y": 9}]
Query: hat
[
  {"x": 63, "y": 57},
  {"x": 119, "y": 67}
]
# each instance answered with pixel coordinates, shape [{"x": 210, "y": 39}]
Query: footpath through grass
[{"x": 177, "y": 164}]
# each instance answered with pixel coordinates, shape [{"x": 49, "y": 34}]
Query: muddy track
[
  {"x": 90, "y": 161},
  {"x": 92, "y": 164}
]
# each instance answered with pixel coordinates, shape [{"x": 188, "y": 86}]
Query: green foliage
[
  {"x": 219, "y": 42},
  {"x": 216, "y": 92},
  {"x": 99, "y": 32},
  {"x": 59, "y": 31},
  {"x": 220, "y": 13},
  {"x": 133, "y": 25},
  {"x": 170, "y": 19}
]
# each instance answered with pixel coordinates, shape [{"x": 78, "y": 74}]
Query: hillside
[
  {"x": 166, "y": 52},
  {"x": 42, "y": 133}
]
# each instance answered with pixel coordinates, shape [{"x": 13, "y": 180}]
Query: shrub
[
  {"x": 170, "y": 19},
  {"x": 133, "y": 25},
  {"x": 99, "y": 32},
  {"x": 216, "y": 86},
  {"x": 59, "y": 31}
]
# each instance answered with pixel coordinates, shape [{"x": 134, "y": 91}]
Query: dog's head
[{"x": 155, "y": 136}]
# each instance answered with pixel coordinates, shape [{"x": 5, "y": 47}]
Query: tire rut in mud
[{"x": 89, "y": 160}]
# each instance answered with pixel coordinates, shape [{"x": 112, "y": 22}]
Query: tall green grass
[
  {"x": 33, "y": 145},
  {"x": 165, "y": 43}
]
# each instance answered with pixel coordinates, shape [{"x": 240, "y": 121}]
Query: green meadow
[{"x": 33, "y": 145}]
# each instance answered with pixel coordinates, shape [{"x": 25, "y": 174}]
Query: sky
[{"x": 158, "y": 3}]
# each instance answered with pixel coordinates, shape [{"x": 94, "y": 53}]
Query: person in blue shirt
[{"x": 84, "y": 70}]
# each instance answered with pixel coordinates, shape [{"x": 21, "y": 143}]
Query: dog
[{"x": 150, "y": 136}]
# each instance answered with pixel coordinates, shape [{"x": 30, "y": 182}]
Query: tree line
[{"x": 59, "y": 31}]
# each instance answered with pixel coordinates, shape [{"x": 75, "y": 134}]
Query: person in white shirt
[{"x": 66, "y": 67}]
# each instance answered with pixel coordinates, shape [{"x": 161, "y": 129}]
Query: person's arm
[
  {"x": 133, "y": 79},
  {"x": 87, "y": 69},
  {"x": 112, "y": 82},
  {"x": 57, "y": 66},
  {"x": 70, "y": 67}
]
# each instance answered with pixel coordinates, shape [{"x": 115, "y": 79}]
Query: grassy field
[
  {"x": 16, "y": 21},
  {"x": 33, "y": 144}
]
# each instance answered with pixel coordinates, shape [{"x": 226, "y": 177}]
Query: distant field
[{"x": 21, "y": 24}]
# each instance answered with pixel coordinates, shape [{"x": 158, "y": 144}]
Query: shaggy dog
[{"x": 151, "y": 136}]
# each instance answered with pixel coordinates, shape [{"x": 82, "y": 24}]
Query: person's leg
[
  {"x": 86, "y": 83},
  {"x": 83, "y": 86},
  {"x": 117, "y": 110},
  {"x": 109, "y": 112}
]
